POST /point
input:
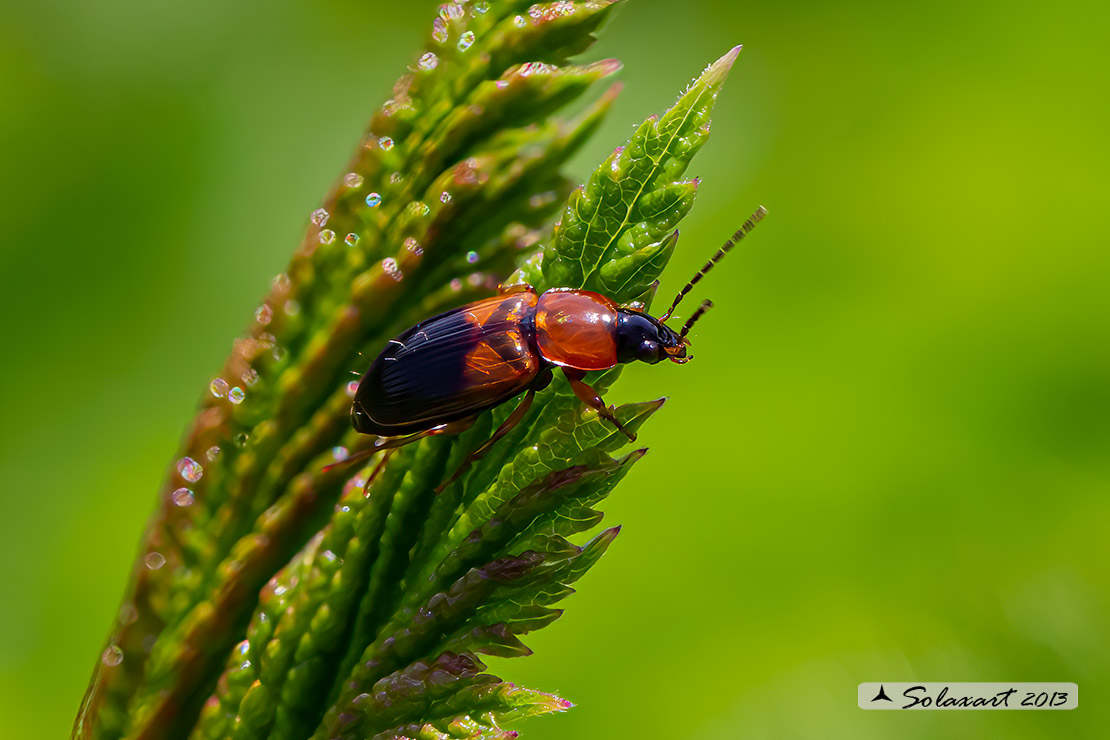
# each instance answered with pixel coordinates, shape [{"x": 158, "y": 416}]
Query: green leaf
[{"x": 275, "y": 596}]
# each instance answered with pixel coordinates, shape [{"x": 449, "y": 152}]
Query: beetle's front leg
[{"x": 590, "y": 397}]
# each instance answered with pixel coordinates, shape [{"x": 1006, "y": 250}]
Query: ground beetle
[{"x": 439, "y": 375}]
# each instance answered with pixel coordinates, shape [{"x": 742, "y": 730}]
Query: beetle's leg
[
  {"x": 590, "y": 397},
  {"x": 391, "y": 443},
  {"x": 517, "y": 288},
  {"x": 483, "y": 450}
]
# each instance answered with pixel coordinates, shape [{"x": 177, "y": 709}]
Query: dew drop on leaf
[
  {"x": 390, "y": 266},
  {"x": 182, "y": 497},
  {"x": 218, "y": 387},
  {"x": 250, "y": 375},
  {"x": 352, "y": 180},
  {"x": 212, "y": 453},
  {"x": 444, "y": 197},
  {"x": 439, "y": 30},
  {"x": 373, "y": 199},
  {"x": 280, "y": 282},
  {"x": 190, "y": 469},
  {"x": 279, "y": 354},
  {"x": 428, "y": 62},
  {"x": 339, "y": 453},
  {"x": 154, "y": 560},
  {"x": 352, "y": 388},
  {"x": 263, "y": 314},
  {"x": 241, "y": 439},
  {"x": 319, "y": 217},
  {"x": 413, "y": 246},
  {"x": 351, "y": 239},
  {"x": 291, "y": 307},
  {"x": 481, "y": 7},
  {"x": 472, "y": 257},
  {"x": 112, "y": 656},
  {"x": 466, "y": 41},
  {"x": 236, "y": 395},
  {"x": 385, "y": 143},
  {"x": 327, "y": 236}
]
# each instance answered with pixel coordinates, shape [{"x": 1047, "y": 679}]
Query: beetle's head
[{"x": 646, "y": 339}]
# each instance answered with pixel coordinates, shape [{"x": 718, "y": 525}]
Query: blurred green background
[{"x": 888, "y": 462}]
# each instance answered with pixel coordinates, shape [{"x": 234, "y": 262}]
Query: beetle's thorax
[{"x": 576, "y": 329}]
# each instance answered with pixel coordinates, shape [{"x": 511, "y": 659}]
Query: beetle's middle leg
[{"x": 591, "y": 398}]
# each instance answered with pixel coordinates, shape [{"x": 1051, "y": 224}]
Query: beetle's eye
[{"x": 648, "y": 351}]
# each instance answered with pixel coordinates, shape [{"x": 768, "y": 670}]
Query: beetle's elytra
[{"x": 440, "y": 374}]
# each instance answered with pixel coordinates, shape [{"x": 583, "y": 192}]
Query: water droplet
[
  {"x": 112, "y": 656},
  {"x": 340, "y": 453},
  {"x": 212, "y": 453},
  {"x": 352, "y": 388},
  {"x": 352, "y": 180},
  {"x": 481, "y": 7},
  {"x": 128, "y": 613},
  {"x": 279, "y": 353},
  {"x": 250, "y": 375},
  {"x": 419, "y": 208},
  {"x": 319, "y": 217},
  {"x": 390, "y": 266},
  {"x": 454, "y": 10},
  {"x": 501, "y": 84},
  {"x": 456, "y": 285},
  {"x": 327, "y": 236},
  {"x": 439, "y": 30},
  {"x": 466, "y": 41},
  {"x": 539, "y": 200},
  {"x": 385, "y": 143},
  {"x": 444, "y": 197},
  {"x": 280, "y": 282},
  {"x": 413, "y": 246},
  {"x": 190, "y": 469},
  {"x": 241, "y": 440},
  {"x": 519, "y": 21},
  {"x": 472, "y": 256},
  {"x": 154, "y": 560},
  {"x": 475, "y": 279},
  {"x": 395, "y": 178},
  {"x": 373, "y": 200},
  {"x": 182, "y": 497},
  {"x": 351, "y": 239},
  {"x": 428, "y": 62},
  {"x": 263, "y": 314},
  {"x": 218, "y": 387},
  {"x": 236, "y": 395},
  {"x": 291, "y": 307},
  {"x": 267, "y": 340},
  {"x": 243, "y": 647}
]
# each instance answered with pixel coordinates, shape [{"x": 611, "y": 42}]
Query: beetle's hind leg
[
  {"x": 392, "y": 443},
  {"x": 506, "y": 427},
  {"x": 587, "y": 395}
]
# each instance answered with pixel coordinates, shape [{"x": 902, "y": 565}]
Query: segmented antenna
[
  {"x": 740, "y": 234},
  {"x": 705, "y": 306}
]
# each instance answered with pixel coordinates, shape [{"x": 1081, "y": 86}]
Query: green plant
[{"x": 273, "y": 598}]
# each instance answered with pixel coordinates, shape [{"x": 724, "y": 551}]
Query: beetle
[{"x": 437, "y": 376}]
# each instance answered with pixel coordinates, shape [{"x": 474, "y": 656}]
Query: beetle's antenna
[
  {"x": 705, "y": 306},
  {"x": 740, "y": 234}
]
